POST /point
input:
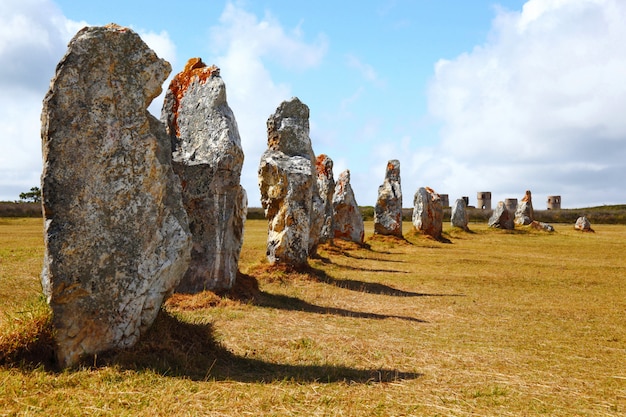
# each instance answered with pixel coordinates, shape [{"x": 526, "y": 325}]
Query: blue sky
[{"x": 480, "y": 95}]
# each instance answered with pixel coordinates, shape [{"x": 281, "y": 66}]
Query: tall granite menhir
[
  {"x": 207, "y": 156},
  {"x": 388, "y": 209},
  {"x": 116, "y": 236},
  {"x": 288, "y": 186}
]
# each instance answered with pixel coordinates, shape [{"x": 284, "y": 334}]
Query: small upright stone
[
  {"x": 326, "y": 187},
  {"x": 428, "y": 212},
  {"x": 459, "y": 216},
  {"x": 116, "y": 236},
  {"x": 288, "y": 186},
  {"x": 524, "y": 213},
  {"x": 207, "y": 156},
  {"x": 348, "y": 220},
  {"x": 388, "y": 209},
  {"x": 501, "y": 218},
  {"x": 583, "y": 224}
]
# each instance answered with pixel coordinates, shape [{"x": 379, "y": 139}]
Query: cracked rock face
[
  {"x": 388, "y": 209},
  {"x": 348, "y": 220},
  {"x": 428, "y": 212},
  {"x": 326, "y": 187},
  {"x": 208, "y": 157},
  {"x": 288, "y": 186},
  {"x": 116, "y": 236}
]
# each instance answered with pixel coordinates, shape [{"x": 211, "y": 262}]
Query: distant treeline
[{"x": 597, "y": 215}]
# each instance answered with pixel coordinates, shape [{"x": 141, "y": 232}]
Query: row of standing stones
[{"x": 137, "y": 208}]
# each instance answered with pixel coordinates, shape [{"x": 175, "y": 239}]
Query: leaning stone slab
[
  {"x": 388, "y": 209},
  {"x": 208, "y": 157},
  {"x": 501, "y": 218},
  {"x": 428, "y": 212},
  {"x": 348, "y": 220},
  {"x": 459, "y": 217},
  {"x": 288, "y": 186},
  {"x": 116, "y": 236}
]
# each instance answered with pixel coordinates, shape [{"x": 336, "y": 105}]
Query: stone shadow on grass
[
  {"x": 247, "y": 290},
  {"x": 368, "y": 287},
  {"x": 176, "y": 348}
]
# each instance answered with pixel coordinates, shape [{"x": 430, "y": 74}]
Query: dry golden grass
[{"x": 493, "y": 323}]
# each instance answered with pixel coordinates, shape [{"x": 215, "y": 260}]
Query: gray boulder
[
  {"x": 501, "y": 218},
  {"x": 428, "y": 212},
  {"x": 348, "y": 220},
  {"x": 388, "y": 209},
  {"x": 459, "y": 216},
  {"x": 116, "y": 236},
  {"x": 207, "y": 156},
  {"x": 583, "y": 224},
  {"x": 288, "y": 186}
]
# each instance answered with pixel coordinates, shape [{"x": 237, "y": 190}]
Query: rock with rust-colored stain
[
  {"x": 348, "y": 220},
  {"x": 459, "y": 217},
  {"x": 501, "y": 218},
  {"x": 388, "y": 209},
  {"x": 428, "y": 212},
  {"x": 208, "y": 157},
  {"x": 116, "y": 236},
  {"x": 326, "y": 187},
  {"x": 524, "y": 214},
  {"x": 288, "y": 185}
]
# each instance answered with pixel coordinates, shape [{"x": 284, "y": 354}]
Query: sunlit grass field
[{"x": 490, "y": 323}]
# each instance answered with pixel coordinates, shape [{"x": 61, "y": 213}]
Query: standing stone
[
  {"x": 583, "y": 224},
  {"x": 459, "y": 216},
  {"x": 388, "y": 209},
  {"x": 524, "y": 213},
  {"x": 348, "y": 220},
  {"x": 326, "y": 187},
  {"x": 428, "y": 212},
  {"x": 288, "y": 186},
  {"x": 207, "y": 156},
  {"x": 501, "y": 218},
  {"x": 116, "y": 236}
]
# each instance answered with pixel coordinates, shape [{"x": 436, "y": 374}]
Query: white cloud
[
  {"x": 540, "y": 105},
  {"x": 366, "y": 71},
  {"x": 33, "y": 38},
  {"x": 244, "y": 46}
]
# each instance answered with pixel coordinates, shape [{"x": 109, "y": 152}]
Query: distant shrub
[{"x": 8, "y": 209}]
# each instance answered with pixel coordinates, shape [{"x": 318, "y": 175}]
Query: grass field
[{"x": 494, "y": 323}]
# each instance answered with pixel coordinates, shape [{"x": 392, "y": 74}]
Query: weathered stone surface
[
  {"x": 116, "y": 235},
  {"x": 459, "y": 216},
  {"x": 288, "y": 186},
  {"x": 207, "y": 156},
  {"x": 348, "y": 220},
  {"x": 388, "y": 209},
  {"x": 428, "y": 212},
  {"x": 501, "y": 218},
  {"x": 326, "y": 187},
  {"x": 524, "y": 213},
  {"x": 583, "y": 224},
  {"x": 542, "y": 226}
]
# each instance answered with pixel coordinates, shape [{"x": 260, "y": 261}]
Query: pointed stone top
[{"x": 288, "y": 129}]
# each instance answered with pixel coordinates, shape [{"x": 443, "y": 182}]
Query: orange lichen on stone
[
  {"x": 320, "y": 166},
  {"x": 194, "y": 69}
]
